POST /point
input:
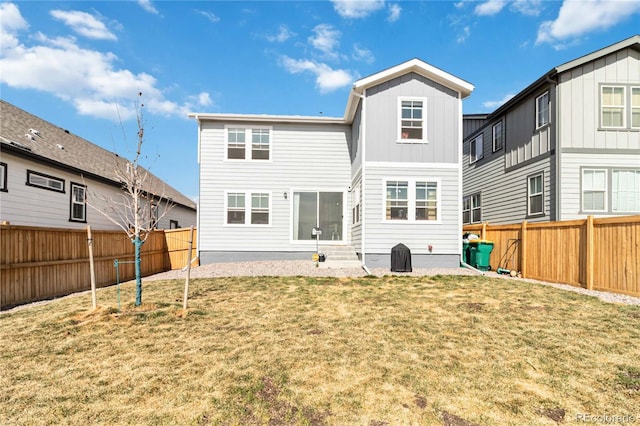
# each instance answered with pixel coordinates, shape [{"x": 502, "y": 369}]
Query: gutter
[{"x": 363, "y": 124}]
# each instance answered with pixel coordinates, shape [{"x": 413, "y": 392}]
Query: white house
[
  {"x": 565, "y": 147},
  {"x": 387, "y": 172},
  {"x": 46, "y": 174}
]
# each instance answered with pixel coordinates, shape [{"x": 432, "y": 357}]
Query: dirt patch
[
  {"x": 421, "y": 401},
  {"x": 472, "y": 307},
  {"x": 555, "y": 414},
  {"x": 315, "y": 331},
  {"x": 378, "y": 423},
  {"x": 449, "y": 419}
]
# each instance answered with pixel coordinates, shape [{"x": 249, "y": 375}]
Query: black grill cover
[{"x": 400, "y": 259}]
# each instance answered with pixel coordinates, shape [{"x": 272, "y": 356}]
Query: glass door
[{"x": 317, "y": 209}]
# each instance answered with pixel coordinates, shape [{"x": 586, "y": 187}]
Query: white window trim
[
  {"x": 499, "y": 138},
  {"x": 424, "y": 120},
  {"x": 473, "y": 157},
  {"x": 632, "y": 107},
  {"x": 606, "y": 189},
  {"x": 411, "y": 192},
  {"x": 247, "y": 208},
  {"x": 72, "y": 202},
  {"x": 623, "y": 106},
  {"x": 540, "y": 126},
  {"x": 248, "y": 142},
  {"x": 529, "y": 195}
]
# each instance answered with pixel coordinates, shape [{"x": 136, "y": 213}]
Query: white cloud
[
  {"x": 527, "y": 7},
  {"x": 363, "y": 55},
  {"x": 88, "y": 79},
  {"x": 12, "y": 24},
  {"x": 204, "y": 99},
  {"x": 326, "y": 39},
  {"x": 464, "y": 35},
  {"x": 394, "y": 12},
  {"x": 209, "y": 15},
  {"x": 489, "y": 8},
  {"x": 357, "y": 8},
  {"x": 84, "y": 24},
  {"x": 327, "y": 79},
  {"x": 496, "y": 104},
  {"x": 283, "y": 35},
  {"x": 577, "y": 18},
  {"x": 146, "y": 5}
]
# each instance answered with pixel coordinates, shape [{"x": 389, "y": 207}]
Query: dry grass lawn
[{"x": 297, "y": 350}]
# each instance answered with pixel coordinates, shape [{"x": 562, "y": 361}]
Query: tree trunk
[{"x": 138, "y": 244}]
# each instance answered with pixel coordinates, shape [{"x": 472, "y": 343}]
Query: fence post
[
  {"x": 483, "y": 233},
  {"x": 92, "y": 268},
  {"x": 523, "y": 249},
  {"x": 589, "y": 253}
]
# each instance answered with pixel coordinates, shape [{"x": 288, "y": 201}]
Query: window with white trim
[
  {"x": 635, "y": 107},
  {"x": 3, "y": 177},
  {"x": 542, "y": 110},
  {"x": 476, "y": 151},
  {"x": 41, "y": 180},
  {"x": 78, "y": 207},
  {"x": 625, "y": 191},
  {"x": 471, "y": 209},
  {"x": 248, "y": 143},
  {"x": 412, "y": 200},
  {"x": 594, "y": 190},
  {"x": 255, "y": 212},
  {"x": 411, "y": 120},
  {"x": 612, "y": 104},
  {"x": 535, "y": 194},
  {"x": 497, "y": 136}
]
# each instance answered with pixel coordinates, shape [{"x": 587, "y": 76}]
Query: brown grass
[{"x": 289, "y": 351}]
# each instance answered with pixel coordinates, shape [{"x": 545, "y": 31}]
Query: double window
[
  {"x": 614, "y": 113},
  {"x": 78, "y": 207},
  {"x": 248, "y": 143},
  {"x": 411, "y": 200},
  {"x": 611, "y": 190},
  {"x": 472, "y": 209},
  {"x": 248, "y": 208},
  {"x": 41, "y": 180},
  {"x": 476, "y": 151},
  {"x": 412, "y": 120},
  {"x": 542, "y": 110},
  {"x": 535, "y": 194}
]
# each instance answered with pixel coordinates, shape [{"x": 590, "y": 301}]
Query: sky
[{"x": 81, "y": 65}]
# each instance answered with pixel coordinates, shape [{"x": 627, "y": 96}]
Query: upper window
[
  {"x": 594, "y": 190},
  {"x": 613, "y": 106},
  {"x": 635, "y": 107},
  {"x": 497, "y": 136},
  {"x": 542, "y": 110},
  {"x": 535, "y": 195},
  {"x": 238, "y": 148},
  {"x": 476, "y": 151},
  {"x": 44, "y": 181},
  {"x": 625, "y": 191},
  {"x": 409, "y": 200},
  {"x": 173, "y": 224},
  {"x": 78, "y": 207},
  {"x": 471, "y": 209},
  {"x": 397, "y": 200},
  {"x": 411, "y": 120},
  {"x": 256, "y": 212},
  {"x": 3, "y": 177}
]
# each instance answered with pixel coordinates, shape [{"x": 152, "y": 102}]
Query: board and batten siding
[
  {"x": 313, "y": 157},
  {"x": 579, "y": 102},
  {"x": 33, "y": 206},
  {"x": 441, "y": 114},
  {"x": 382, "y": 235}
]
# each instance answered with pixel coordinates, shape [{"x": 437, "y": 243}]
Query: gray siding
[
  {"x": 382, "y": 235},
  {"x": 442, "y": 116},
  {"x": 304, "y": 157},
  {"x": 355, "y": 143},
  {"x": 472, "y": 123},
  {"x": 579, "y": 102}
]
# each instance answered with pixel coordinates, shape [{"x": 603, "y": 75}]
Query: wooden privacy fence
[
  {"x": 598, "y": 254},
  {"x": 40, "y": 263}
]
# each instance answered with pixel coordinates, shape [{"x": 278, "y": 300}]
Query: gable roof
[{"x": 58, "y": 147}]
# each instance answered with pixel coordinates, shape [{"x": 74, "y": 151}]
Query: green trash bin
[
  {"x": 480, "y": 254},
  {"x": 465, "y": 252}
]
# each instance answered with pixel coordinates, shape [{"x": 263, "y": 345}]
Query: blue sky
[{"x": 81, "y": 64}]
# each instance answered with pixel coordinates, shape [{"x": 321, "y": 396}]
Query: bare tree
[{"x": 140, "y": 207}]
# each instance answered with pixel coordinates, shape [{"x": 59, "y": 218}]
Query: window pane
[
  {"x": 235, "y": 216},
  {"x": 625, "y": 186},
  {"x": 465, "y": 217}
]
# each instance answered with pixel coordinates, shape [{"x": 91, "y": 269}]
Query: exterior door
[{"x": 320, "y": 210}]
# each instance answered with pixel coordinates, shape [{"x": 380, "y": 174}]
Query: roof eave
[{"x": 264, "y": 118}]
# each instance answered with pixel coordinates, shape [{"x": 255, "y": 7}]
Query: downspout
[
  {"x": 198, "y": 227},
  {"x": 558, "y": 148},
  {"x": 460, "y": 188},
  {"x": 363, "y": 133}
]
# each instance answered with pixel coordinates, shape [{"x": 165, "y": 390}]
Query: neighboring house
[
  {"x": 387, "y": 172},
  {"x": 46, "y": 174},
  {"x": 566, "y": 147}
]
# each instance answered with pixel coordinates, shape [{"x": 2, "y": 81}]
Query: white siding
[
  {"x": 382, "y": 235},
  {"x": 303, "y": 157}
]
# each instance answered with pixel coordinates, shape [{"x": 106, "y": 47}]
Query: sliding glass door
[{"x": 317, "y": 209}]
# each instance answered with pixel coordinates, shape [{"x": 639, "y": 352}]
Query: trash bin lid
[{"x": 481, "y": 241}]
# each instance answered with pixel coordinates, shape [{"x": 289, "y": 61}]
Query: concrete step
[{"x": 339, "y": 253}]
